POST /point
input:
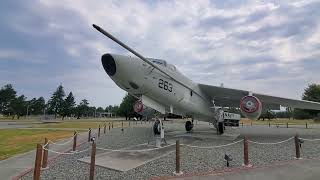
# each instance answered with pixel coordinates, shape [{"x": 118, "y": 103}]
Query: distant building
[{"x": 104, "y": 114}]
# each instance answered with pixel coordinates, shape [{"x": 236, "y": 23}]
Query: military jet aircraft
[{"x": 160, "y": 86}]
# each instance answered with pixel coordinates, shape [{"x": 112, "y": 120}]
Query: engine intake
[{"x": 251, "y": 107}]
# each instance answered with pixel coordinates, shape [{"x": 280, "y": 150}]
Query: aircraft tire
[
  {"x": 188, "y": 126},
  {"x": 156, "y": 128},
  {"x": 220, "y": 127}
]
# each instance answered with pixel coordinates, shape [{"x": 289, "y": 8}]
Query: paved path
[
  {"x": 305, "y": 169},
  {"x": 11, "y": 167}
]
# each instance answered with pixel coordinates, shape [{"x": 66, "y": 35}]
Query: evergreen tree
[
  {"x": 7, "y": 95},
  {"x": 68, "y": 105},
  {"x": 82, "y": 108},
  {"x": 55, "y": 104}
]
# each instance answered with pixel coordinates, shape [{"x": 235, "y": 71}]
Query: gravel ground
[{"x": 193, "y": 160}]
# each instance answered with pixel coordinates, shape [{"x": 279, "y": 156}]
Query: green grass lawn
[{"x": 16, "y": 141}]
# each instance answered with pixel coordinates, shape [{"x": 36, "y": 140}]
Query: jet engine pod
[
  {"x": 251, "y": 107},
  {"x": 138, "y": 107}
]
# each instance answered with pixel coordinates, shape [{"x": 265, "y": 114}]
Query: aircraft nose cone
[{"x": 109, "y": 64}]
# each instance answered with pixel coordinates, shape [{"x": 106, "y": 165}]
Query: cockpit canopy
[{"x": 162, "y": 63}]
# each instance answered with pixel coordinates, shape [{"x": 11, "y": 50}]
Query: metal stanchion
[
  {"x": 89, "y": 135},
  {"x": 37, "y": 164},
  {"x": 99, "y": 131},
  {"x": 45, "y": 154},
  {"x": 246, "y": 152},
  {"x": 93, "y": 160},
  {"x": 121, "y": 125},
  {"x": 74, "y": 141},
  {"x": 178, "y": 172},
  {"x": 297, "y": 146}
]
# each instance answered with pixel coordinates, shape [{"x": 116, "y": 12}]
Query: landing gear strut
[
  {"x": 220, "y": 127},
  {"x": 188, "y": 126}
]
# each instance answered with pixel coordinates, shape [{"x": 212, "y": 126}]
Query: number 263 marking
[{"x": 165, "y": 85}]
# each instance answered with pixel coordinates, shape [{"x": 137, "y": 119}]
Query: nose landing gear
[{"x": 188, "y": 126}]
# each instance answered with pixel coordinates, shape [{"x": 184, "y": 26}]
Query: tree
[
  {"x": 82, "y": 108},
  {"x": 37, "y": 106},
  {"x": 55, "y": 104},
  {"x": 7, "y": 95},
  {"x": 126, "y": 106},
  {"x": 19, "y": 106},
  {"x": 312, "y": 93},
  {"x": 68, "y": 105},
  {"x": 100, "y": 109}
]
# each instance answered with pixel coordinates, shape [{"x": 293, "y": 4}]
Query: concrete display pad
[{"x": 124, "y": 161}]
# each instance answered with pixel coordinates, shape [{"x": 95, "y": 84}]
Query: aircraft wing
[{"x": 231, "y": 98}]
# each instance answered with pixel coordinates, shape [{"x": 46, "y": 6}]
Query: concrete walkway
[
  {"x": 306, "y": 169},
  {"x": 11, "y": 167}
]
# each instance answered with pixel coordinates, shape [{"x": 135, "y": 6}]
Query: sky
[{"x": 270, "y": 47}]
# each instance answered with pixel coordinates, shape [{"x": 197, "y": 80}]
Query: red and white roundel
[
  {"x": 250, "y": 104},
  {"x": 138, "y": 107}
]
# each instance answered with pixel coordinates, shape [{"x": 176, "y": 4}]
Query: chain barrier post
[
  {"x": 122, "y": 126},
  {"x": 104, "y": 128},
  {"x": 269, "y": 124},
  {"x": 109, "y": 126},
  {"x": 112, "y": 125},
  {"x": 297, "y": 145},
  {"x": 74, "y": 141},
  {"x": 306, "y": 125},
  {"x": 287, "y": 125},
  {"x": 93, "y": 160},
  {"x": 89, "y": 135},
  {"x": 37, "y": 164},
  {"x": 99, "y": 131},
  {"x": 246, "y": 152},
  {"x": 178, "y": 172},
  {"x": 129, "y": 123},
  {"x": 242, "y": 124},
  {"x": 45, "y": 154}
]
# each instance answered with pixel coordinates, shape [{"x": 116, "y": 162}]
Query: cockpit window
[{"x": 158, "y": 61}]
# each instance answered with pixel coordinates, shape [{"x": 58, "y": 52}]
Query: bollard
[
  {"x": 296, "y": 142},
  {"x": 104, "y": 128},
  {"x": 74, "y": 141},
  {"x": 109, "y": 126},
  {"x": 112, "y": 125},
  {"x": 287, "y": 125},
  {"x": 178, "y": 172},
  {"x": 306, "y": 125},
  {"x": 93, "y": 160},
  {"x": 45, "y": 154},
  {"x": 121, "y": 125},
  {"x": 269, "y": 124},
  {"x": 129, "y": 123},
  {"x": 89, "y": 135},
  {"x": 37, "y": 164},
  {"x": 99, "y": 131},
  {"x": 246, "y": 152}
]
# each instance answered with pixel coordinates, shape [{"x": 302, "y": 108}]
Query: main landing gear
[
  {"x": 220, "y": 127},
  {"x": 189, "y": 126}
]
